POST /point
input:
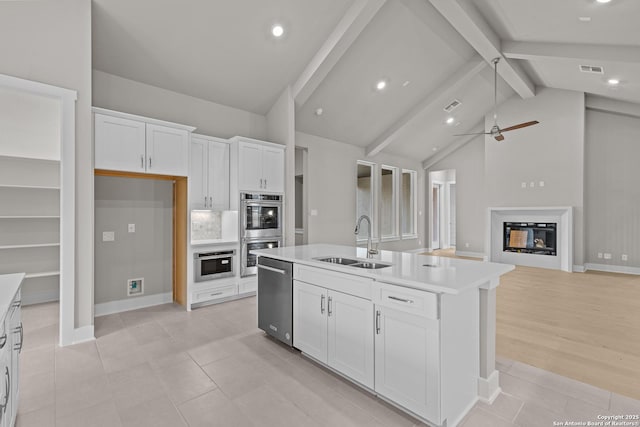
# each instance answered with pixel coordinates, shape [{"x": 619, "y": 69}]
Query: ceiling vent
[
  {"x": 594, "y": 69},
  {"x": 452, "y": 106}
]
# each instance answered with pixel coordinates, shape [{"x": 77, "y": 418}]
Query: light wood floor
[{"x": 584, "y": 326}]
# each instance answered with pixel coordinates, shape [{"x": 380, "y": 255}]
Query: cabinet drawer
[
  {"x": 246, "y": 287},
  {"x": 406, "y": 299},
  {"x": 215, "y": 293},
  {"x": 341, "y": 282}
]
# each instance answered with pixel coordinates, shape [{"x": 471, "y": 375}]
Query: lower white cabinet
[
  {"x": 407, "y": 358},
  {"x": 336, "y": 329},
  {"x": 11, "y": 336}
]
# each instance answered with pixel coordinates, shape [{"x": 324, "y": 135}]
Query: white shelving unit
[{"x": 30, "y": 225}]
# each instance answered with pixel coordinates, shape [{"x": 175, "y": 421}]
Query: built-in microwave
[
  {"x": 261, "y": 215},
  {"x": 213, "y": 265}
]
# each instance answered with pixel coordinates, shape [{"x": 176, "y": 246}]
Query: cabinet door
[
  {"x": 218, "y": 175},
  {"x": 350, "y": 347},
  {"x": 407, "y": 361},
  {"x": 273, "y": 169},
  {"x": 167, "y": 150},
  {"x": 310, "y": 320},
  {"x": 250, "y": 167},
  {"x": 198, "y": 176},
  {"x": 119, "y": 144},
  {"x": 16, "y": 348}
]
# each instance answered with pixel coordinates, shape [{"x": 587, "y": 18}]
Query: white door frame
[
  {"x": 449, "y": 216},
  {"x": 67, "y": 98},
  {"x": 436, "y": 244}
]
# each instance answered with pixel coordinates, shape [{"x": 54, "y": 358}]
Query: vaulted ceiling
[{"x": 430, "y": 53}]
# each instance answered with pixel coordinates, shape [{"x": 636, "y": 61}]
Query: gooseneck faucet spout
[{"x": 370, "y": 250}]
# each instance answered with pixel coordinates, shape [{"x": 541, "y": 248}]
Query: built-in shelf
[
  {"x": 30, "y": 217},
  {"x": 36, "y": 245},
  {"x": 29, "y": 187},
  {"x": 42, "y": 274}
]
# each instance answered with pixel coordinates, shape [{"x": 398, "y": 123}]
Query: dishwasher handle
[{"x": 275, "y": 270}]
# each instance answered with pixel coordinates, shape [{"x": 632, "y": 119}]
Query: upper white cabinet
[
  {"x": 260, "y": 166},
  {"x": 209, "y": 174},
  {"x": 128, "y": 143}
]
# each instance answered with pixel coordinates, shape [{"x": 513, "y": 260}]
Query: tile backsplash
[{"x": 214, "y": 225}]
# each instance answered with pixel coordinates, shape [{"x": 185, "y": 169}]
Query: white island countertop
[{"x": 428, "y": 273}]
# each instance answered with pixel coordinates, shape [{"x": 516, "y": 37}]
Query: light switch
[
  {"x": 132, "y": 228},
  {"x": 532, "y": 184},
  {"x": 108, "y": 236},
  {"x": 314, "y": 212},
  {"x": 607, "y": 255},
  {"x": 541, "y": 184},
  {"x": 523, "y": 185}
]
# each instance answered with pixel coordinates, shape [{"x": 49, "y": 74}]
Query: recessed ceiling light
[
  {"x": 277, "y": 30},
  {"x": 613, "y": 82},
  {"x": 603, "y": 1},
  {"x": 381, "y": 84},
  {"x": 450, "y": 120},
  {"x": 406, "y": 83},
  {"x": 434, "y": 149},
  {"x": 319, "y": 111},
  {"x": 584, "y": 18}
]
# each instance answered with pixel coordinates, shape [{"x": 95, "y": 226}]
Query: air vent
[
  {"x": 452, "y": 106},
  {"x": 594, "y": 69}
]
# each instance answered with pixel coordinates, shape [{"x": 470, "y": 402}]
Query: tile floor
[{"x": 163, "y": 366}]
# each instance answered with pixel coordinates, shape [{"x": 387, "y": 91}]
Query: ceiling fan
[{"x": 495, "y": 130}]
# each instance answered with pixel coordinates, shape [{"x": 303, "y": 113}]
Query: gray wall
[
  {"x": 471, "y": 205},
  {"x": 50, "y": 42},
  {"x": 146, "y": 253},
  {"x": 331, "y": 184},
  {"x": 120, "y": 94},
  {"x": 552, "y": 151},
  {"x": 612, "y": 184}
]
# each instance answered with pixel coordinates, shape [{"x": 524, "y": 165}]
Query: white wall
[
  {"x": 552, "y": 151},
  {"x": 50, "y": 42},
  {"x": 612, "y": 188},
  {"x": 120, "y": 94},
  {"x": 331, "y": 184}
]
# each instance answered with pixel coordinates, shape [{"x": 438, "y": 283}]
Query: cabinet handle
[
  {"x": 377, "y": 322},
  {"x": 150, "y": 163},
  {"x": 141, "y": 161},
  {"x": 19, "y": 345},
  {"x": 210, "y": 202},
  {"x": 406, "y": 301},
  {"x": 205, "y": 201},
  {"x": 3, "y": 340},
  {"x": 321, "y": 304},
  {"x": 17, "y": 303},
  {"x": 214, "y": 294},
  {"x": 260, "y": 182},
  {"x": 7, "y": 384},
  {"x": 329, "y": 307},
  {"x": 265, "y": 183}
]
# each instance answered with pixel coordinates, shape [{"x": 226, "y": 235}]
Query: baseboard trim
[
  {"x": 29, "y": 298},
  {"x": 612, "y": 268},
  {"x": 489, "y": 388},
  {"x": 470, "y": 254},
  {"x": 579, "y": 269},
  {"x": 132, "y": 303},
  {"x": 83, "y": 334}
]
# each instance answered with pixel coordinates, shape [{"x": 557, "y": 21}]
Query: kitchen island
[{"x": 418, "y": 331}]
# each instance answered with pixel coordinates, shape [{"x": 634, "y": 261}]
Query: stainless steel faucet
[{"x": 370, "y": 250}]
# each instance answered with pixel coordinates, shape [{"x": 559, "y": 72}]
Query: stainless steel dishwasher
[{"x": 275, "y": 298}]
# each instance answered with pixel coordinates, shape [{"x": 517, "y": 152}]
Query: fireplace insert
[{"x": 538, "y": 238}]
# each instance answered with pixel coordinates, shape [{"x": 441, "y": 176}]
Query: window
[
  {"x": 408, "y": 191},
  {"x": 365, "y": 196},
  {"x": 388, "y": 202}
]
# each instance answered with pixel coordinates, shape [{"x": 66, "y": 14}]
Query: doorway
[
  {"x": 442, "y": 209},
  {"x": 301, "y": 227}
]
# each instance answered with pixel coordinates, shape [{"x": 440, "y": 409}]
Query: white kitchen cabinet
[
  {"x": 11, "y": 337},
  {"x": 336, "y": 329},
  {"x": 260, "y": 166},
  {"x": 407, "y": 361},
  {"x": 124, "y": 142},
  {"x": 209, "y": 173}
]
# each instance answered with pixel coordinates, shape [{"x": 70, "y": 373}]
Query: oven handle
[
  {"x": 263, "y": 204},
  {"x": 275, "y": 270}
]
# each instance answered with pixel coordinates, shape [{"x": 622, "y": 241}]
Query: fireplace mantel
[{"x": 562, "y": 215}]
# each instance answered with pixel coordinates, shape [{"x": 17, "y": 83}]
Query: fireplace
[{"x": 537, "y": 238}]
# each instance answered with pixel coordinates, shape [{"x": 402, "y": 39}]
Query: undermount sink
[
  {"x": 353, "y": 262},
  {"x": 370, "y": 265},
  {"x": 338, "y": 260}
]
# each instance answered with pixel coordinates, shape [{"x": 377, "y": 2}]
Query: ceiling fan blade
[
  {"x": 499, "y": 137},
  {"x": 478, "y": 133},
  {"x": 520, "y": 126}
]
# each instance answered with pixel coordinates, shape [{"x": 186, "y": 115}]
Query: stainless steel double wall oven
[{"x": 261, "y": 227}]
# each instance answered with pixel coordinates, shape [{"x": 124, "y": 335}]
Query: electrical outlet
[
  {"x": 523, "y": 184},
  {"x": 607, "y": 255},
  {"x": 600, "y": 255},
  {"x": 314, "y": 212},
  {"x": 108, "y": 236},
  {"x": 135, "y": 286},
  {"x": 532, "y": 184},
  {"x": 541, "y": 184},
  {"x": 624, "y": 257},
  {"x": 466, "y": 245},
  {"x": 131, "y": 228}
]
